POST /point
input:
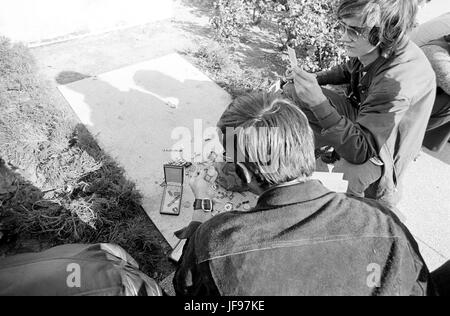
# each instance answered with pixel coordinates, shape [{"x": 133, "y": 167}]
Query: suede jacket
[{"x": 302, "y": 239}]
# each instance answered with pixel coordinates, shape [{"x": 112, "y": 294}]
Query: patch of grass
[
  {"x": 17, "y": 67},
  {"x": 216, "y": 60},
  {"x": 134, "y": 234},
  {"x": 58, "y": 186}
]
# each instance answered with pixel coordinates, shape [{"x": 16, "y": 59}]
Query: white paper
[
  {"x": 292, "y": 57},
  {"x": 333, "y": 181}
]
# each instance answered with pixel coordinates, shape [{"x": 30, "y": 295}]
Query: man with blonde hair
[{"x": 301, "y": 238}]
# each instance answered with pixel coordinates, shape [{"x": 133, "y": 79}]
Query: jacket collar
[
  {"x": 289, "y": 194},
  {"x": 385, "y": 57},
  {"x": 373, "y": 66}
]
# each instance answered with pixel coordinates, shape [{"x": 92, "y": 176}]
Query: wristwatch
[{"x": 205, "y": 205}]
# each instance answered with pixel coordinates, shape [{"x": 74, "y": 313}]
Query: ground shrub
[
  {"x": 216, "y": 60},
  {"x": 56, "y": 185},
  {"x": 306, "y": 25}
]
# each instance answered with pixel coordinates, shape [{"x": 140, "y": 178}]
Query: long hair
[
  {"x": 274, "y": 136},
  {"x": 390, "y": 20}
]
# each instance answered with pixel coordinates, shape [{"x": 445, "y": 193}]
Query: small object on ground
[
  {"x": 177, "y": 194},
  {"x": 212, "y": 156},
  {"x": 212, "y": 171},
  {"x": 210, "y": 174},
  {"x": 172, "y": 103},
  {"x": 173, "y": 189},
  {"x": 188, "y": 164},
  {"x": 180, "y": 163},
  {"x": 228, "y": 207},
  {"x": 247, "y": 207},
  {"x": 215, "y": 187},
  {"x": 208, "y": 178}
]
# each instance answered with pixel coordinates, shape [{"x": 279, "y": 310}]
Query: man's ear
[{"x": 247, "y": 173}]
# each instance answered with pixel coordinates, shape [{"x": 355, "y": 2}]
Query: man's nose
[{"x": 344, "y": 38}]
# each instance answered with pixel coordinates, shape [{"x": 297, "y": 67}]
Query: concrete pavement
[{"x": 43, "y": 21}]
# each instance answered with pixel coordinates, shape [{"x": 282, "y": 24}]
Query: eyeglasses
[{"x": 354, "y": 32}]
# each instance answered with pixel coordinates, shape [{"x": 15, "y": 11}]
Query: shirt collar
[
  {"x": 374, "y": 65},
  {"x": 292, "y": 194},
  {"x": 384, "y": 57}
]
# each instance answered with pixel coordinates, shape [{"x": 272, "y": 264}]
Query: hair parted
[{"x": 272, "y": 134}]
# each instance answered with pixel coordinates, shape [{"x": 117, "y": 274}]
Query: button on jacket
[{"x": 302, "y": 239}]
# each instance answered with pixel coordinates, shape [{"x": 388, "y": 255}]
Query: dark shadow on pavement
[{"x": 66, "y": 77}]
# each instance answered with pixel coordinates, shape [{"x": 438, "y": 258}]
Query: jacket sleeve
[
  {"x": 440, "y": 61},
  {"x": 336, "y": 76},
  {"x": 379, "y": 116},
  {"x": 193, "y": 278}
]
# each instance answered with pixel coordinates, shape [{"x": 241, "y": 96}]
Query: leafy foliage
[
  {"x": 214, "y": 59},
  {"x": 306, "y": 25}
]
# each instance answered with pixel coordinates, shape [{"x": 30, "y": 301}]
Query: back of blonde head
[{"x": 272, "y": 134}]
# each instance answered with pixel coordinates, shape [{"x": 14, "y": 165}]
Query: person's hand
[
  {"x": 289, "y": 75},
  {"x": 306, "y": 86},
  {"x": 201, "y": 183}
]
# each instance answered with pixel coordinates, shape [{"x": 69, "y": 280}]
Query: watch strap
[{"x": 205, "y": 205}]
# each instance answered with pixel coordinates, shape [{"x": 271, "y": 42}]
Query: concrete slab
[
  {"x": 433, "y": 258},
  {"x": 426, "y": 205},
  {"x": 133, "y": 113}
]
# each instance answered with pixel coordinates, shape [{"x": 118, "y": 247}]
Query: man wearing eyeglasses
[{"x": 377, "y": 129}]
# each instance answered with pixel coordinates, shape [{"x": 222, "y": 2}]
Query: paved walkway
[
  {"x": 140, "y": 113},
  {"x": 40, "y": 21}
]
